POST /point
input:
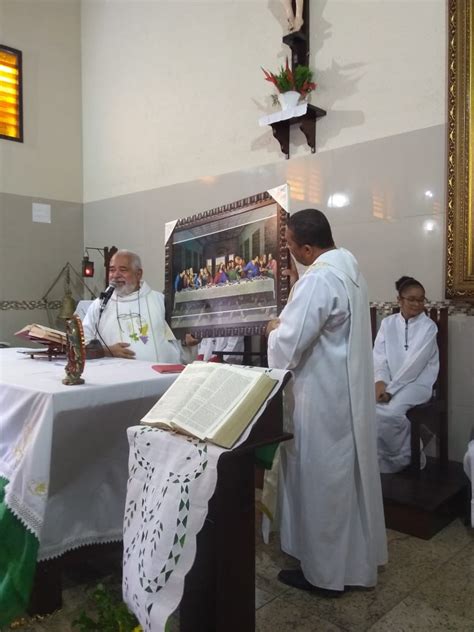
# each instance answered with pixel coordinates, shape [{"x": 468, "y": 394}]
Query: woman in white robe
[
  {"x": 406, "y": 365},
  {"x": 331, "y": 514}
]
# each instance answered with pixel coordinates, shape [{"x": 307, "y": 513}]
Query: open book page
[
  {"x": 42, "y": 333},
  {"x": 242, "y": 413},
  {"x": 215, "y": 401},
  {"x": 216, "y": 397},
  {"x": 50, "y": 330},
  {"x": 181, "y": 391},
  {"x": 279, "y": 376}
]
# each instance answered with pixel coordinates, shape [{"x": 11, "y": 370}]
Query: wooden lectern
[{"x": 219, "y": 591}]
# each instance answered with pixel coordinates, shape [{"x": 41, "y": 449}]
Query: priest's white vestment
[
  {"x": 406, "y": 358},
  {"x": 331, "y": 513},
  {"x": 137, "y": 318}
]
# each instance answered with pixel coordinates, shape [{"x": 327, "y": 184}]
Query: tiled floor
[{"x": 426, "y": 586}]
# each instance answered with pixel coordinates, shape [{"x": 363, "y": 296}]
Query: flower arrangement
[{"x": 298, "y": 80}]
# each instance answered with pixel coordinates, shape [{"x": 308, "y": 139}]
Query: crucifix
[
  {"x": 297, "y": 14},
  {"x": 294, "y": 14}
]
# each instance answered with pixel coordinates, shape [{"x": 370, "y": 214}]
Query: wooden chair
[{"x": 431, "y": 417}]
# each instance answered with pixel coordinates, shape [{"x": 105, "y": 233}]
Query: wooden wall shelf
[{"x": 307, "y": 124}]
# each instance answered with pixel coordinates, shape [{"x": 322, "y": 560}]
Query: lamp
[{"x": 88, "y": 266}]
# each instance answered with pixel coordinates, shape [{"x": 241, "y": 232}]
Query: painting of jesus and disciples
[
  {"x": 231, "y": 272},
  {"x": 224, "y": 272}
]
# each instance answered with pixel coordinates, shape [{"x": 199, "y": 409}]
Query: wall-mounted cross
[{"x": 298, "y": 40}]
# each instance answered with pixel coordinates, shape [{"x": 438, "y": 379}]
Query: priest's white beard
[{"x": 124, "y": 290}]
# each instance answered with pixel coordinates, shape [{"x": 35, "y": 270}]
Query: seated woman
[{"x": 406, "y": 365}]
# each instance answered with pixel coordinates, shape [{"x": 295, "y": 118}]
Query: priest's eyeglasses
[{"x": 412, "y": 300}]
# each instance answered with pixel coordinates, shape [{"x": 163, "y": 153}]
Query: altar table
[{"x": 64, "y": 450}]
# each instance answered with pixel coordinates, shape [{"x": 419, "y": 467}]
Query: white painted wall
[
  {"x": 47, "y": 166},
  {"x": 49, "y": 162},
  {"x": 172, "y": 90},
  {"x": 380, "y": 66}
]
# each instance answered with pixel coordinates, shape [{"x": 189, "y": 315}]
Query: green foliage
[
  {"x": 299, "y": 79},
  {"x": 283, "y": 81},
  {"x": 303, "y": 76},
  {"x": 112, "y": 614}
]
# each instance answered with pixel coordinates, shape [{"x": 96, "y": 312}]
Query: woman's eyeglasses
[{"x": 412, "y": 300}]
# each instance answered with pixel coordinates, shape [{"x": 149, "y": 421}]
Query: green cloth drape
[
  {"x": 264, "y": 456},
  {"x": 18, "y": 553}
]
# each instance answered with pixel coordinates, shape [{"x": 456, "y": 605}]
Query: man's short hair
[
  {"x": 135, "y": 261},
  {"x": 311, "y": 227}
]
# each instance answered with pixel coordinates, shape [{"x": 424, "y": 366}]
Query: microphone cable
[{"x": 98, "y": 335}]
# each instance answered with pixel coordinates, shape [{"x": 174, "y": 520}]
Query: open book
[
  {"x": 214, "y": 402},
  {"x": 42, "y": 334}
]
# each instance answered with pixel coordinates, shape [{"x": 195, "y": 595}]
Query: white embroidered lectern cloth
[{"x": 172, "y": 477}]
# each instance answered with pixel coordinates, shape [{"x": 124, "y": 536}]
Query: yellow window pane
[{"x": 10, "y": 64}]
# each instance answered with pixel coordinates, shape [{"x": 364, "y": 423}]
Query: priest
[
  {"x": 131, "y": 324},
  {"x": 330, "y": 500}
]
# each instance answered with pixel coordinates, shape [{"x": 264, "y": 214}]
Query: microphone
[{"x": 105, "y": 296}]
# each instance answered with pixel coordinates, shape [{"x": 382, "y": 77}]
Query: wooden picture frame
[
  {"x": 460, "y": 189},
  {"x": 237, "y": 303}
]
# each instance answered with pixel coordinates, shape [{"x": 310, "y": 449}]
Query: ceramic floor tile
[
  {"x": 354, "y": 611},
  {"x": 412, "y": 561},
  {"x": 453, "y": 538},
  {"x": 414, "y": 615},
  {"x": 262, "y": 597},
  {"x": 452, "y": 589},
  {"x": 280, "y": 616},
  {"x": 427, "y": 585},
  {"x": 269, "y": 560}
]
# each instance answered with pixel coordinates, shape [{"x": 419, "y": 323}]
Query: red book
[{"x": 168, "y": 368}]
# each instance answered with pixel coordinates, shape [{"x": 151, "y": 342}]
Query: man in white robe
[
  {"x": 132, "y": 325},
  {"x": 331, "y": 513},
  {"x": 406, "y": 365}
]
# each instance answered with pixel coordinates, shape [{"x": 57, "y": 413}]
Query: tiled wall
[
  {"x": 393, "y": 221},
  {"x": 393, "y": 217}
]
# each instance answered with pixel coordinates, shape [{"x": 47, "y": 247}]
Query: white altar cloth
[{"x": 64, "y": 449}]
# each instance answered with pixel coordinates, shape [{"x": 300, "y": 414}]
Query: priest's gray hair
[{"x": 135, "y": 261}]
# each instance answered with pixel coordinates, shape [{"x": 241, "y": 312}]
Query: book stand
[
  {"x": 219, "y": 591},
  {"x": 53, "y": 350}
]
